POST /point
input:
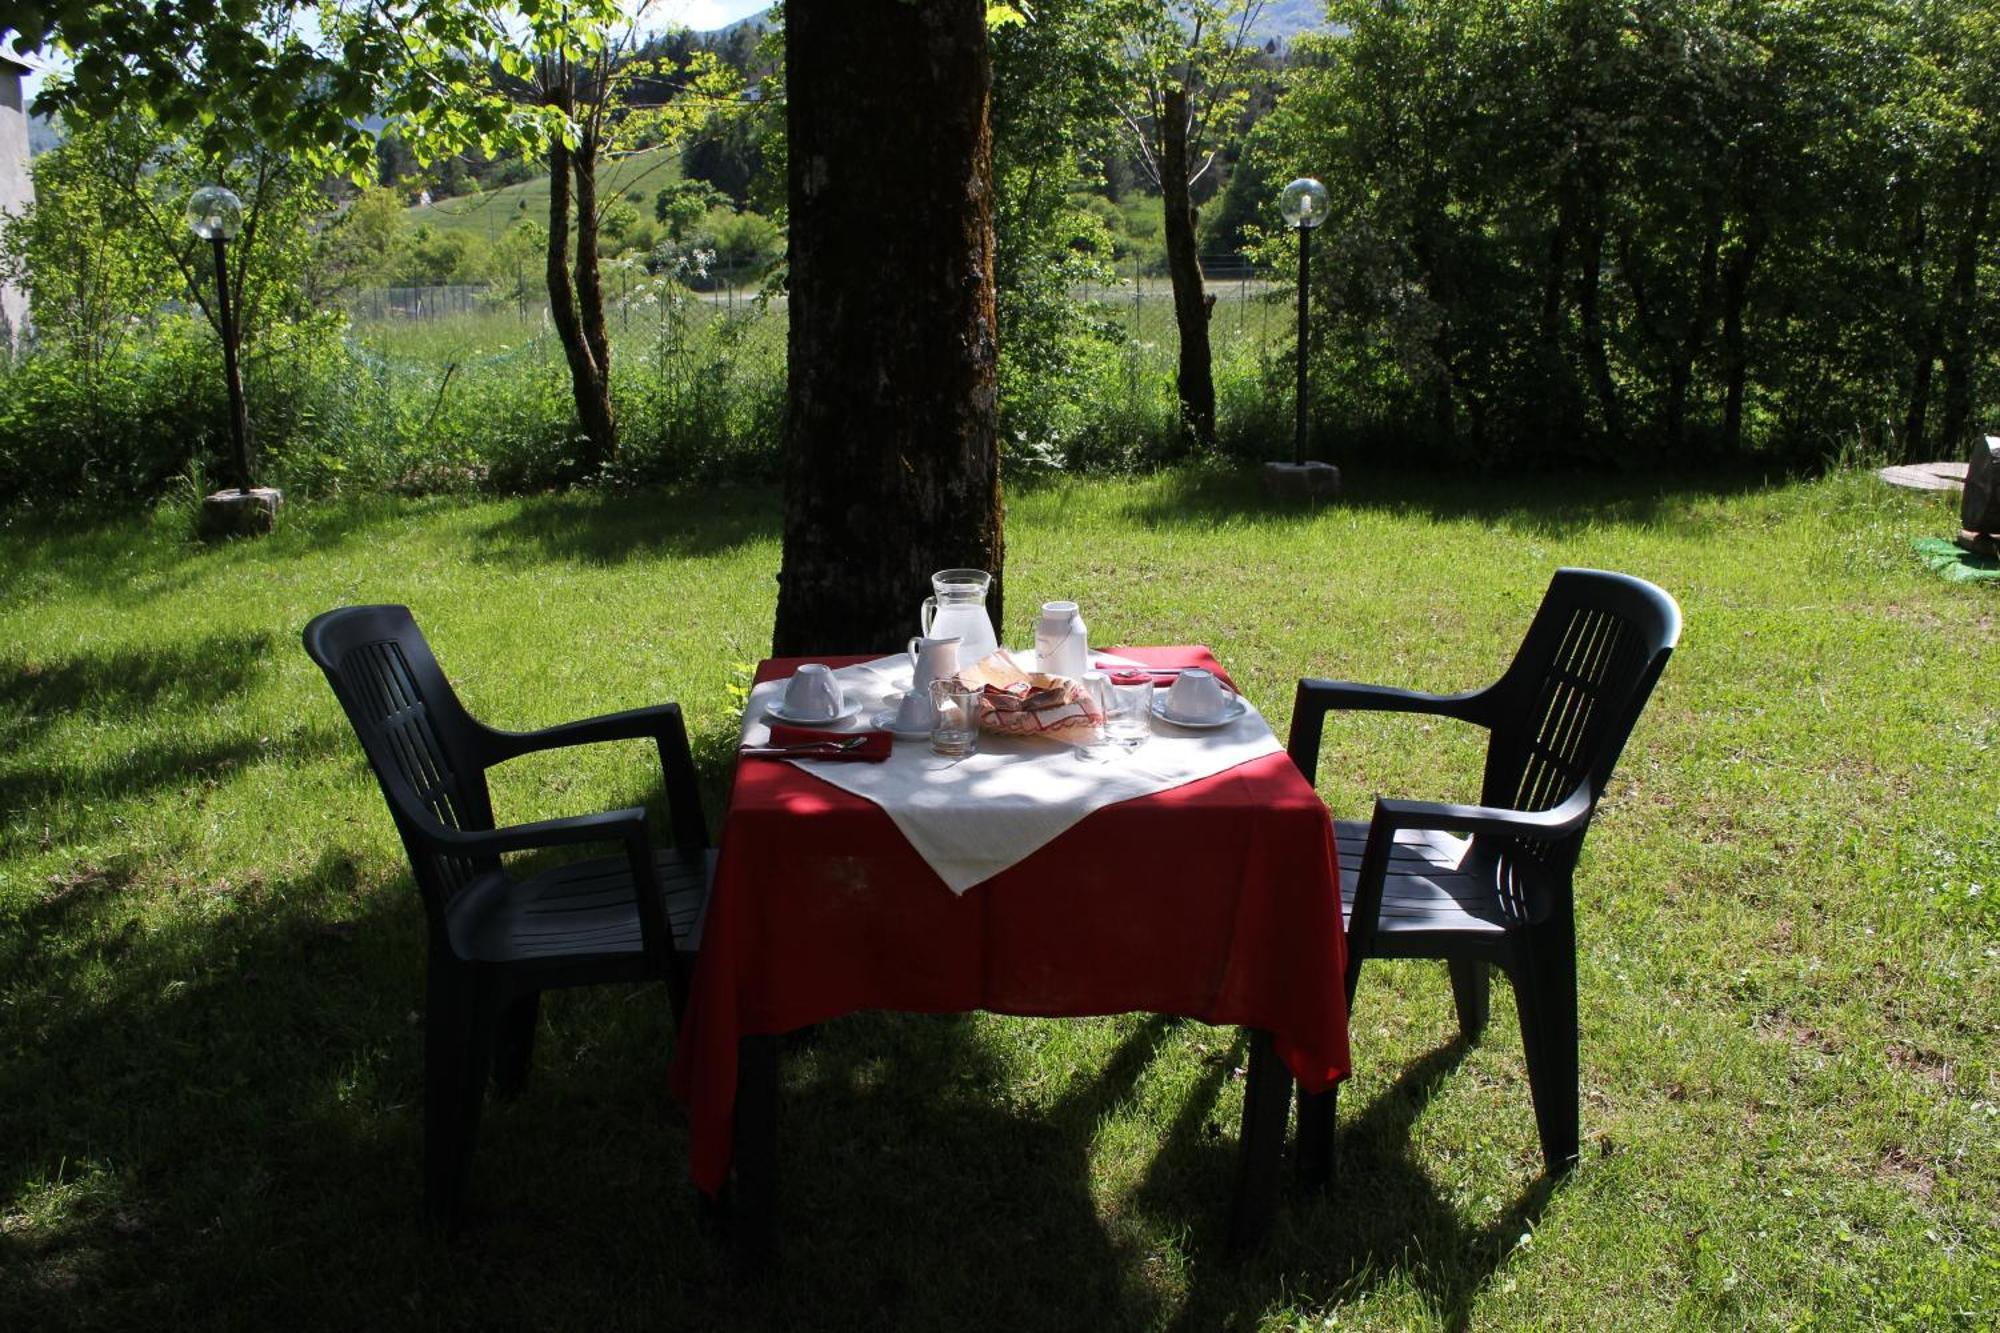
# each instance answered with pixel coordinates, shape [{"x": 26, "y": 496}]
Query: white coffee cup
[
  {"x": 913, "y": 711},
  {"x": 932, "y": 659},
  {"x": 1197, "y": 696},
  {"x": 813, "y": 693}
]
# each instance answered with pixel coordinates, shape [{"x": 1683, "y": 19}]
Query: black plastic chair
[
  {"x": 497, "y": 942},
  {"x": 1558, "y": 719}
]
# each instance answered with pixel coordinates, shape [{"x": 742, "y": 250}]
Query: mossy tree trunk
[{"x": 892, "y": 465}]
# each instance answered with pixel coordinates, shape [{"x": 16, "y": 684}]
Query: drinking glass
[
  {"x": 954, "y": 718},
  {"x": 1128, "y": 716}
]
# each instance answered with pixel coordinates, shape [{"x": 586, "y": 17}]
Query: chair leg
[
  {"x": 1317, "y": 1115},
  {"x": 680, "y": 976},
  {"x": 1471, "y": 986},
  {"x": 1545, "y": 993},
  {"x": 448, "y": 1050},
  {"x": 514, "y": 1043}
]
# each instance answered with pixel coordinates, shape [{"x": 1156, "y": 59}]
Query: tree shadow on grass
[
  {"x": 913, "y": 1196},
  {"x": 124, "y": 682},
  {"x": 1382, "y": 1216},
  {"x": 1544, "y": 506},
  {"x": 609, "y": 528},
  {"x": 216, "y": 1121}
]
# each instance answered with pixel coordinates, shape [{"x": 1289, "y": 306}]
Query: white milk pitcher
[
  {"x": 1061, "y": 644},
  {"x": 958, "y": 610},
  {"x": 932, "y": 659}
]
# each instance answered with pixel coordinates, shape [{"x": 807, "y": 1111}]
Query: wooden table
[{"x": 1217, "y": 900}]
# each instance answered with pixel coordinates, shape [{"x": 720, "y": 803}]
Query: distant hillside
[
  {"x": 492, "y": 211},
  {"x": 1282, "y": 20},
  {"x": 43, "y": 135}
]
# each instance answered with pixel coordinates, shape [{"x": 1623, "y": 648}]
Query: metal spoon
[{"x": 805, "y": 749}]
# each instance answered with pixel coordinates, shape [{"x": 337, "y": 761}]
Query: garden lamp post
[
  {"x": 215, "y": 214},
  {"x": 1303, "y": 205}
]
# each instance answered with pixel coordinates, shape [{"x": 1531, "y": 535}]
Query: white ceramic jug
[
  {"x": 932, "y": 659},
  {"x": 1061, "y": 643},
  {"x": 957, "y": 609}
]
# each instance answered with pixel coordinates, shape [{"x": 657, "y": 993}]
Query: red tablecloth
[{"x": 1217, "y": 900}]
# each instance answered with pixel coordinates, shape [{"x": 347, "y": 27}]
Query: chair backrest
[
  {"x": 416, "y": 734},
  {"x": 1567, "y": 704}
]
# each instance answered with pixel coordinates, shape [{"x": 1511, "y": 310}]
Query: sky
[{"x": 700, "y": 15}]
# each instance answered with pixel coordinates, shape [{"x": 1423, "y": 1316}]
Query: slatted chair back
[
  {"x": 417, "y": 736},
  {"x": 1567, "y": 704}
]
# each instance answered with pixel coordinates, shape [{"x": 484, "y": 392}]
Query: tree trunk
[
  {"x": 1196, "y": 379},
  {"x": 1736, "y": 275},
  {"x": 1589, "y": 291},
  {"x": 588, "y": 376},
  {"x": 1922, "y": 336},
  {"x": 1680, "y": 374},
  {"x": 1961, "y": 336},
  {"x": 892, "y": 466},
  {"x": 590, "y": 291}
]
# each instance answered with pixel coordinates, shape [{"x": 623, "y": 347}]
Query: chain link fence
[{"x": 1250, "y": 305}]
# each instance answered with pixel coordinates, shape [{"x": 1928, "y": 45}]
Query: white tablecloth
[{"x": 973, "y": 817}]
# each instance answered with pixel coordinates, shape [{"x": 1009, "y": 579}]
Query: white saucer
[
  {"x": 886, "y": 721},
  {"x": 1231, "y": 710},
  {"x": 779, "y": 711}
]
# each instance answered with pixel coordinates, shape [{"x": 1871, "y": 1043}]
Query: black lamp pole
[
  {"x": 1305, "y": 268},
  {"x": 239, "y": 416}
]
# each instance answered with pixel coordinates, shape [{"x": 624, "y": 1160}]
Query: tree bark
[
  {"x": 589, "y": 377},
  {"x": 1196, "y": 378},
  {"x": 892, "y": 466},
  {"x": 590, "y": 292},
  {"x": 1961, "y": 336},
  {"x": 1590, "y": 286},
  {"x": 1922, "y": 335},
  {"x": 1736, "y": 275},
  {"x": 1680, "y": 373}
]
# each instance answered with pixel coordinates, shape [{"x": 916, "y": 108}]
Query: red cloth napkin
[{"x": 872, "y": 750}]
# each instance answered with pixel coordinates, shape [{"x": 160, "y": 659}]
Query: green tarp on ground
[{"x": 1956, "y": 565}]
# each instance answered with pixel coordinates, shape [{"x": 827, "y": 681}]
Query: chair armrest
[
  {"x": 568, "y": 831},
  {"x": 1394, "y": 816},
  {"x": 627, "y": 826},
  {"x": 634, "y": 724},
  {"x": 660, "y": 723},
  {"x": 1316, "y": 698}
]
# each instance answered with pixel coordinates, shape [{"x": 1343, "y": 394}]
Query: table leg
[
  {"x": 1267, "y": 1098},
  {"x": 1315, "y": 1137},
  {"x": 753, "y": 1214}
]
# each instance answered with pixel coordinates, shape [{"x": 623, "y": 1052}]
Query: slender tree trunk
[
  {"x": 1192, "y": 306},
  {"x": 892, "y": 465},
  {"x": 1961, "y": 339},
  {"x": 1736, "y": 275},
  {"x": 1922, "y": 335},
  {"x": 1680, "y": 374},
  {"x": 1589, "y": 291},
  {"x": 589, "y": 383},
  {"x": 590, "y": 287}
]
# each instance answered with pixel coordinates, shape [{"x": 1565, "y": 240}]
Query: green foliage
[
  {"x": 1584, "y": 230},
  {"x": 680, "y": 204}
]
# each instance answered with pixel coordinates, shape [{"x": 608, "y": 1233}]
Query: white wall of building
[{"x": 17, "y": 186}]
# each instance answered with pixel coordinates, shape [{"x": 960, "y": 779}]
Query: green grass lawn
[{"x": 211, "y": 952}]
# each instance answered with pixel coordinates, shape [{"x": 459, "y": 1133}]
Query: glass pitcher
[{"x": 958, "y": 608}]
